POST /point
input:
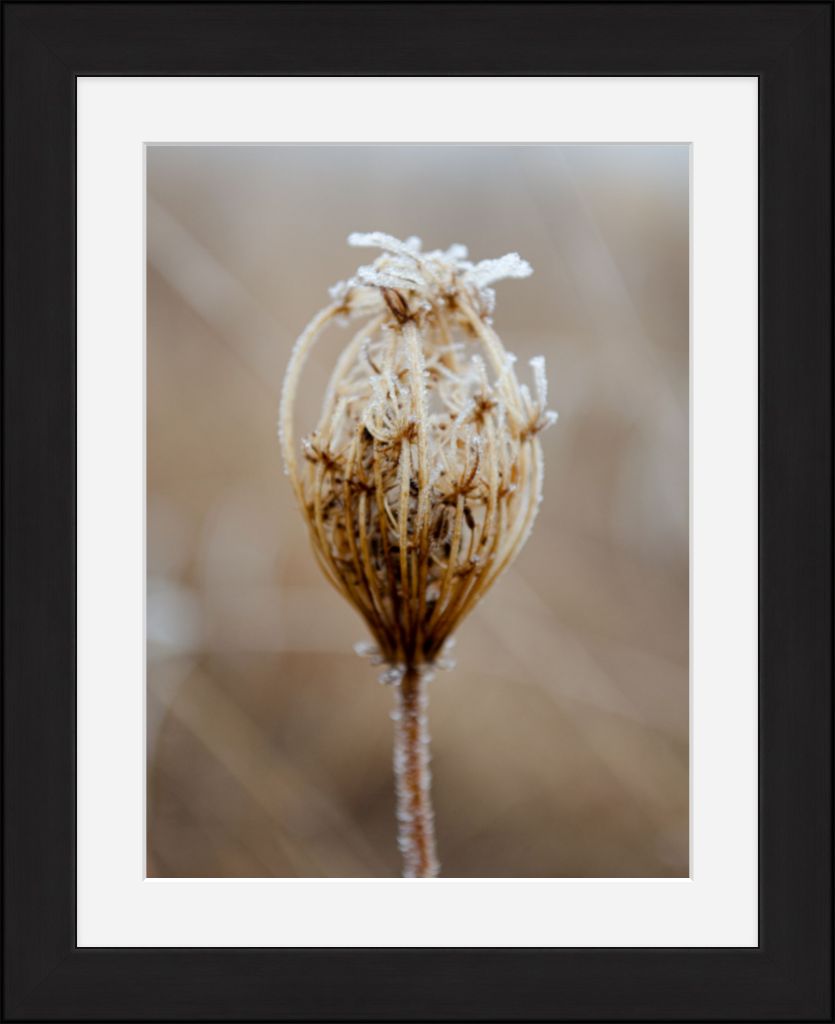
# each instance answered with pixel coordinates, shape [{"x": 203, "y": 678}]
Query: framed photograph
[{"x": 483, "y": 352}]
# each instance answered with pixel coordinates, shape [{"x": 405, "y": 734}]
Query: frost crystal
[
  {"x": 430, "y": 275},
  {"x": 488, "y": 271},
  {"x": 392, "y": 675},
  {"x": 370, "y": 651}
]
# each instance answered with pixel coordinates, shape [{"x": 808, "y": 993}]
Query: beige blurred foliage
[{"x": 560, "y": 740}]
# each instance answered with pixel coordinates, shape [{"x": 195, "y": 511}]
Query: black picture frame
[{"x": 788, "y": 46}]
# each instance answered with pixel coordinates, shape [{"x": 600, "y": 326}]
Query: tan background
[{"x": 560, "y": 739}]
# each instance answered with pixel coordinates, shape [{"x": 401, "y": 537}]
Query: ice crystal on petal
[
  {"x": 429, "y": 276},
  {"x": 370, "y": 651},
  {"x": 392, "y": 675},
  {"x": 540, "y": 381},
  {"x": 365, "y": 649},
  {"x": 380, "y": 240},
  {"x": 456, "y": 252},
  {"x": 510, "y": 265}
]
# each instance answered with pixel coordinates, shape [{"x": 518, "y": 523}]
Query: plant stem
[{"x": 412, "y": 777}]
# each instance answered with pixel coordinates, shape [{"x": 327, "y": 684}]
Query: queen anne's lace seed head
[{"x": 422, "y": 478}]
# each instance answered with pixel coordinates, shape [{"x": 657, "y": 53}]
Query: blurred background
[{"x": 560, "y": 739}]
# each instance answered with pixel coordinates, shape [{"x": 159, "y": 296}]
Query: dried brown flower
[{"x": 422, "y": 478}]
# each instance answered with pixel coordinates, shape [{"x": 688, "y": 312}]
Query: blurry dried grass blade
[{"x": 421, "y": 481}]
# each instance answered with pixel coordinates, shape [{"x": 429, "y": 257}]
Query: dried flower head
[{"x": 421, "y": 481}]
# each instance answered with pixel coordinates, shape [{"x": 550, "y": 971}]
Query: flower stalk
[
  {"x": 416, "y": 824},
  {"x": 422, "y": 478}
]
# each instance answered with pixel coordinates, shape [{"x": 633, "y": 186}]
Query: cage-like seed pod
[{"x": 421, "y": 481}]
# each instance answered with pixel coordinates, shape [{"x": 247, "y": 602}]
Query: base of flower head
[{"x": 392, "y": 674}]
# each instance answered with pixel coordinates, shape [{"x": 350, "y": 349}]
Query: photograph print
[{"x": 417, "y": 511}]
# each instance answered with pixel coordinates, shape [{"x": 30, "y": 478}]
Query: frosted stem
[{"x": 412, "y": 777}]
